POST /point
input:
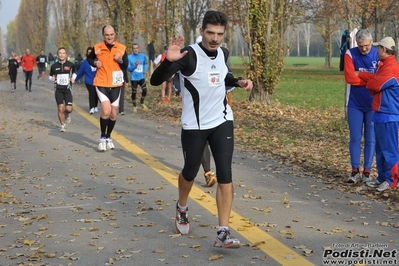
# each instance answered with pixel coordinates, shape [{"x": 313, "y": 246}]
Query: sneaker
[
  {"x": 210, "y": 178},
  {"x": 182, "y": 223},
  {"x": 164, "y": 100},
  {"x": 134, "y": 109},
  {"x": 63, "y": 128},
  {"x": 122, "y": 113},
  {"x": 375, "y": 183},
  {"x": 102, "y": 146},
  {"x": 110, "y": 144},
  {"x": 67, "y": 118},
  {"x": 95, "y": 109},
  {"x": 226, "y": 240},
  {"x": 384, "y": 186},
  {"x": 91, "y": 111},
  {"x": 144, "y": 106},
  {"x": 366, "y": 177},
  {"x": 354, "y": 177}
]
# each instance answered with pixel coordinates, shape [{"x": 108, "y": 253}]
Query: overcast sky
[{"x": 8, "y": 11}]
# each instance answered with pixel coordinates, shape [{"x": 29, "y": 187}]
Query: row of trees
[{"x": 267, "y": 26}]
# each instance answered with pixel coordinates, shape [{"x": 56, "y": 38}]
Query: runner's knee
[{"x": 189, "y": 174}]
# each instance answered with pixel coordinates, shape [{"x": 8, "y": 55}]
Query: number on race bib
[
  {"x": 117, "y": 77},
  {"x": 63, "y": 79},
  {"x": 139, "y": 69}
]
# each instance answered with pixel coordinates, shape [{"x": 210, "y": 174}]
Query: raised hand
[{"x": 175, "y": 44}]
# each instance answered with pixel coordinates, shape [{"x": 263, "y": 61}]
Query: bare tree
[
  {"x": 289, "y": 38},
  {"x": 77, "y": 30},
  {"x": 325, "y": 15},
  {"x": 307, "y": 30},
  {"x": 193, "y": 12},
  {"x": 375, "y": 14},
  {"x": 32, "y": 35},
  {"x": 11, "y": 40}
]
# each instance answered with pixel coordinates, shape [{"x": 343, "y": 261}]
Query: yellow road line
[{"x": 268, "y": 244}]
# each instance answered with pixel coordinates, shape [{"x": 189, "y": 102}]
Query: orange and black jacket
[{"x": 105, "y": 54}]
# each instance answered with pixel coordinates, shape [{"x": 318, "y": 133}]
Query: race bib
[
  {"x": 41, "y": 60},
  {"x": 214, "y": 79},
  {"x": 63, "y": 79},
  {"x": 117, "y": 77},
  {"x": 139, "y": 68}
]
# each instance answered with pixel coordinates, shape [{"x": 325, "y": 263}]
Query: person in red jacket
[
  {"x": 28, "y": 63},
  {"x": 384, "y": 86}
]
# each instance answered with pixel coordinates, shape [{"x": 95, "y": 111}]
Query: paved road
[{"x": 64, "y": 203}]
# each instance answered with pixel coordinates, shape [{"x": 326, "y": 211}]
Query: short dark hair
[
  {"x": 61, "y": 48},
  {"x": 214, "y": 18}
]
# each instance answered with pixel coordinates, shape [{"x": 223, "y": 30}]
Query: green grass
[
  {"x": 290, "y": 61},
  {"x": 311, "y": 61},
  {"x": 312, "y": 86}
]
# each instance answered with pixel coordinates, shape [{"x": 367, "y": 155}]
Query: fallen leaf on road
[{"x": 215, "y": 257}]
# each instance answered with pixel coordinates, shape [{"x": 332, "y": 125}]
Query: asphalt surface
[{"x": 62, "y": 202}]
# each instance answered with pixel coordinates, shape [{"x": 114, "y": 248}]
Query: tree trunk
[
  {"x": 327, "y": 42},
  {"x": 327, "y": 49},
  {"x": 298, "y": 44},
  {"x": 260, "y": 94},
  {"x": 377, "y": 26}
]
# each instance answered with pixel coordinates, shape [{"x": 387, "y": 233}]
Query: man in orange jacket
[
  {"x": 110, "y": 59},
  {"x": 28, "y": 63}
]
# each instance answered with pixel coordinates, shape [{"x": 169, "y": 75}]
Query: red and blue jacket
[
  {"x": 384, "y": 86},
  {"x": 358, "y": 96}
]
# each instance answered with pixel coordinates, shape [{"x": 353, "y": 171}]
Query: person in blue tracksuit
[
  {"x": 138, "y": 67},
  {"x": 384, "y": 86},
  {"x": 89, "y": 72},
  {"x": 363, "y": 58}
]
